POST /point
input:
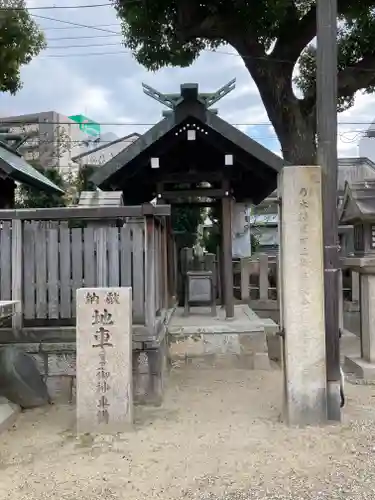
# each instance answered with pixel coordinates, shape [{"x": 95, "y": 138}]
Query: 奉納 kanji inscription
[{"x": 104, "y": 354}]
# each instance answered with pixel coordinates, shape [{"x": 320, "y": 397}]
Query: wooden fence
[
  {"x": 46, "y": 254},
  {"x": 255, "y": 279}
]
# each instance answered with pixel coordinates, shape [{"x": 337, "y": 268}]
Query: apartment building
[{"x": 55, "y": 139}]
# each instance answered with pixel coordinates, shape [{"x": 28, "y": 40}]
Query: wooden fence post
[
  {"x": 263, "y": 276},
  {"x": 341, "y": 300},
  {"x": 245, "y": 278},
  {"x": 101, "y": 256},
  {"x": 150, "y": 302},
  {"x": 166, "y": 270},
  {"x": 17, "y": 268}
]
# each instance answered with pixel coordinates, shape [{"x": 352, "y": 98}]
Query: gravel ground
[{"x": 218, "y": 436}]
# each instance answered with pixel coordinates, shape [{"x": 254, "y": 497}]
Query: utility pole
[{"x": 326, "y": 80}]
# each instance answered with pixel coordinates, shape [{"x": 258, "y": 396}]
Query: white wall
[
  {"x": 241, "y": 239},
  {"x": 366, "y": 146}
]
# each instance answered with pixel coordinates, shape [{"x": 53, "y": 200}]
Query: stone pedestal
[
  {"x": 367, "y": 284},
  {"x": 302, "y": 288},
  {"x": 363, "y": 366},
  {"x": 104, "y": 360}
]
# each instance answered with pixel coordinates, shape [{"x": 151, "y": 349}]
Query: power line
[
  {"x": 77, "y": 25},
  {"x": 63, "y": 7},
  {"x": 59, "y": 28},
  {"x": 4, "y": 122},
  {"x": 95, "y": 27},
  {"x": 82, "y": 37},
  {"x": 86, "y": 45}
]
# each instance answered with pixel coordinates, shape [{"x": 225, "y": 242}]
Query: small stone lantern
[{"x": 358, "y": 210}]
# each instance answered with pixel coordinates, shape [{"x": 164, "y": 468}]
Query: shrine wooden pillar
[
  {"x": 168, "y": 254},
  {"x": 227, "y": 265}
]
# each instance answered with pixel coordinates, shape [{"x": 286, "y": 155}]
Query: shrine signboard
[{"x": 104, "y": 360}]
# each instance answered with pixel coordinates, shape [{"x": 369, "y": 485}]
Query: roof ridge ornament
[{"x": 189, "y": 90}]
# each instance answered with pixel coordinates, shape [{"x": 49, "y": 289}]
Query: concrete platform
[
  {"x": 240, "y": 342},
  {"x": 200, "y": 321},
  {"x": 360, "y": 368}
]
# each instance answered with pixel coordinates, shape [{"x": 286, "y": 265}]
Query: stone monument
[
  {"x": 104, "y": 360},
  {"x": 302, "y": 295}
]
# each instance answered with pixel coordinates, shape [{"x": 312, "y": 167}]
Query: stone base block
[
  {"x": 241, "y": 351},
  {"x": 60, "y": 388},
  {"x": 8, "y": 413},
  {"x": 219, "y": 350},
  {"x": 149, "y": 372},
  {"x": 362, "y": 369},
  {"x": 262, "y": 361}
]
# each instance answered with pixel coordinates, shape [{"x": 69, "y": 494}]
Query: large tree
[
  {"x": 271, "y": 36},
  {"x": 20, "y": 41}
]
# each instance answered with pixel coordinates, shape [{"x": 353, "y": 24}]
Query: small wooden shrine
[
  {"x": 13, "y": 168},
  {"x": 192, "y": 156}
]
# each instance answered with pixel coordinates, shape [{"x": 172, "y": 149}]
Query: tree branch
[
  {"x": 192, "y": 24},
  {"x": 294, "y": 34},
  {"x": 356, "y": 77}
]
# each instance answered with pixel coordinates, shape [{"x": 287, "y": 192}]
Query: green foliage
[
  {"x": 83, "y": 182},
  {"x": 20, "y": 41},
  {"x": 268, "y": 34},
  {"x": 185, "y": 221},
  {"x": 30, "y": 197}
]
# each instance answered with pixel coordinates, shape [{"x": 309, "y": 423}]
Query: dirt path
[{"x": 217, "y": 436}]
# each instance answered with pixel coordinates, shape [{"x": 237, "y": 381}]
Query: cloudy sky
[{"x": 88, "y": 71}]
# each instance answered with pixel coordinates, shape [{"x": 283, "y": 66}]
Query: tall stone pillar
[{"x": 302, "y": 288}]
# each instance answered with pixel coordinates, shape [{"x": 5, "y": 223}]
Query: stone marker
[
  {"x": 104, "y": 360},
  {"x": 302, "y": 295}
]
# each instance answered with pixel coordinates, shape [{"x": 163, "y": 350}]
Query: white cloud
[{"x": 107, "y": 87}]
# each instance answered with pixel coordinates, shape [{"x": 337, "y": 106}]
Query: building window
[
  {"x": 373, "y": 237},
  {"x": 359, "y": 238}
]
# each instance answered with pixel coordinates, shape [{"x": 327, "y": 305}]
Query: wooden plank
[
  {"x": 53, "y": 272},
  {"x": 80, "y": 213},
  {"x": 113, "y": 256},
  {"x": 138, "y": 271},
  {"x": 161, "y": 266},
  {"x": 65, "y": 273},
  {"x": 227, "y": 207},
  {"x": 28, "y": 271},
  {"x": 41, "y": 270},
  {"x": 5, "y": 262},
  {"x": 126, "y": 255},
  {"x": 89, "y": 258},
  {"x": 100, "y": 237},
  {"x": 157, "y": 266},
  {"x": 165, "y": 267},
  {"x": 16, "y": 267},
  {"x": 150, "y": 302},
  {"x": 77, "y": 264}
]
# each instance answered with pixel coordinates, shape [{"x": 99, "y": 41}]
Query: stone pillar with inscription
[
  {"x": 104, "y": 360},
  {"x": 302, "y": 289}
]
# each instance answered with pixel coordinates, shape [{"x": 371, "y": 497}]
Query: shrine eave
[{"x": 107, "y": 176}]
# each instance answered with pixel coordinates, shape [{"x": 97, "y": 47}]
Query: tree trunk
[
  {"x": 294, "y": 128},
  {"x": 294, "y": 125}
]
